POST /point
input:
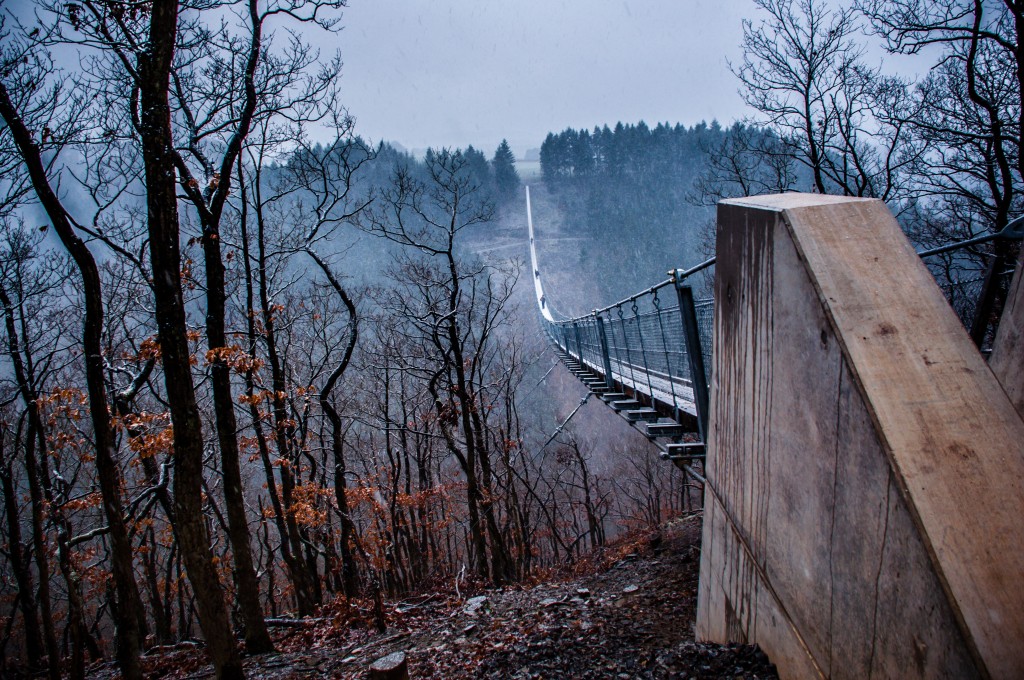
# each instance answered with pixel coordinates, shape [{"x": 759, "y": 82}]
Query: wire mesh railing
[
  {"x": 641, "y": 347},
  {"x": 976, "y": 282}
]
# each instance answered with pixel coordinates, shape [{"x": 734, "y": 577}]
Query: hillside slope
[{"x": 625, "y": 612}]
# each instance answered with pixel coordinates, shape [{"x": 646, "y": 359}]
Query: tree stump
[{"x": 391, "y": 667}]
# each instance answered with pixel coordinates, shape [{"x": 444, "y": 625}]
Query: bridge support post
[
  {"x": 695, "y": 355},
  {"x": 1006, "y": 360},
  {"x": 864, "y": 470},
  {"x": 606, "y": 359}
]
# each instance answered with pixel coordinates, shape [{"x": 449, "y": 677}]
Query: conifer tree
[{"x": 506, "y": 178}]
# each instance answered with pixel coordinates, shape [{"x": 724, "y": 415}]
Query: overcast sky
[{"x": 457, "y": 72}]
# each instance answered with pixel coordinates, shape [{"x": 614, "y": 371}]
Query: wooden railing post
[{"x": 864, "y": 465}]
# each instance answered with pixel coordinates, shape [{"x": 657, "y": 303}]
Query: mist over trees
[
  {"x": 250, "y": 371},
  {"x": 646, "y": 195},
  {"x": 942, "y": 151},
  {"x": 627, "y": 188},
  {"x": 253, "y": 366}
]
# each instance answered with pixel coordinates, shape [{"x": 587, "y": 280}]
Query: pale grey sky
[{"x": 457, "y": 72}]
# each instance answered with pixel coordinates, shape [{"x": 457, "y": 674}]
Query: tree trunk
[
  {"x": 349, "y": 571},
  {"x": 283, "y": 430},
  {"x": 162, "y": 209},
  {"x": 130, "y": 605},
  {"x": 42, "y": 561},
  {"x": 18, "y": 564},
  {"x": 20, "y": 567},
  {"x": 292, "y": 557},
  {"x": 257, "y": 638},
  {"x": 391, "y": 667}
]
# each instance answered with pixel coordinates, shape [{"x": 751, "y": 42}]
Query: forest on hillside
[
  {"x": 942, "y": 150},
  {"x": 645, "y": 195},
  {"x": 250, "y": 370},
  {"x": 253, "y": 365}
]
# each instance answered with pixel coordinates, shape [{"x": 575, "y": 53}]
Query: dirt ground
[{"x": 627, "y": 612}]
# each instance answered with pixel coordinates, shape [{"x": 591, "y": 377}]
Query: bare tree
[
  {"x": 747, "y": 162},
  {"x": 454, "y": 310},
  {"x": 803, "y": 71},
  {"x": 326, "y": 175},
  {"x": 992, "y": 26},
  {"x": 21, "y": 275},
  {"x": 220, "y": 91},
  {"x": 971, "y": 117},
  {"x": 14, "y": 106},
  {"x": 267, "y": 246}
]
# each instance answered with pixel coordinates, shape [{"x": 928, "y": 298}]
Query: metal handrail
[
  {"x": 1014, "y": 231},
  {"x": 659, "y": 369},
  {"x": 639, "y": 345}
]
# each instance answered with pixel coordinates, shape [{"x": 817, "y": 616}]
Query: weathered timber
[
  {"x": 1007, "y": 360},
  {"x": 864, "y": 467}
]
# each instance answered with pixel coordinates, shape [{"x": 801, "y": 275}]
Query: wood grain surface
[{"x": 865, "y": 465}]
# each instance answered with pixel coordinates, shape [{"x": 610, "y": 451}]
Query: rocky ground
[{"x": 627, "y": 612}]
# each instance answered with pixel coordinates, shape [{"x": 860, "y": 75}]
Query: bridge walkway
[{"x": 646, "y": 357}]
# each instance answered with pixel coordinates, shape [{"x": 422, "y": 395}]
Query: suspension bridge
[
  {"x": 646, "y": 357},
  {"x": 863, "y": 464}
]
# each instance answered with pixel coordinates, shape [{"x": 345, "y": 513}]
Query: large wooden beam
[
  {"x": 865, "y": 468},
  {"x": 1007, "y": 360}
]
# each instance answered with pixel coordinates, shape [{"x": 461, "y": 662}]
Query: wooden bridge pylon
[
  {"x": 1007, "y": 359},
  {"x": 864, "y": 510}
]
